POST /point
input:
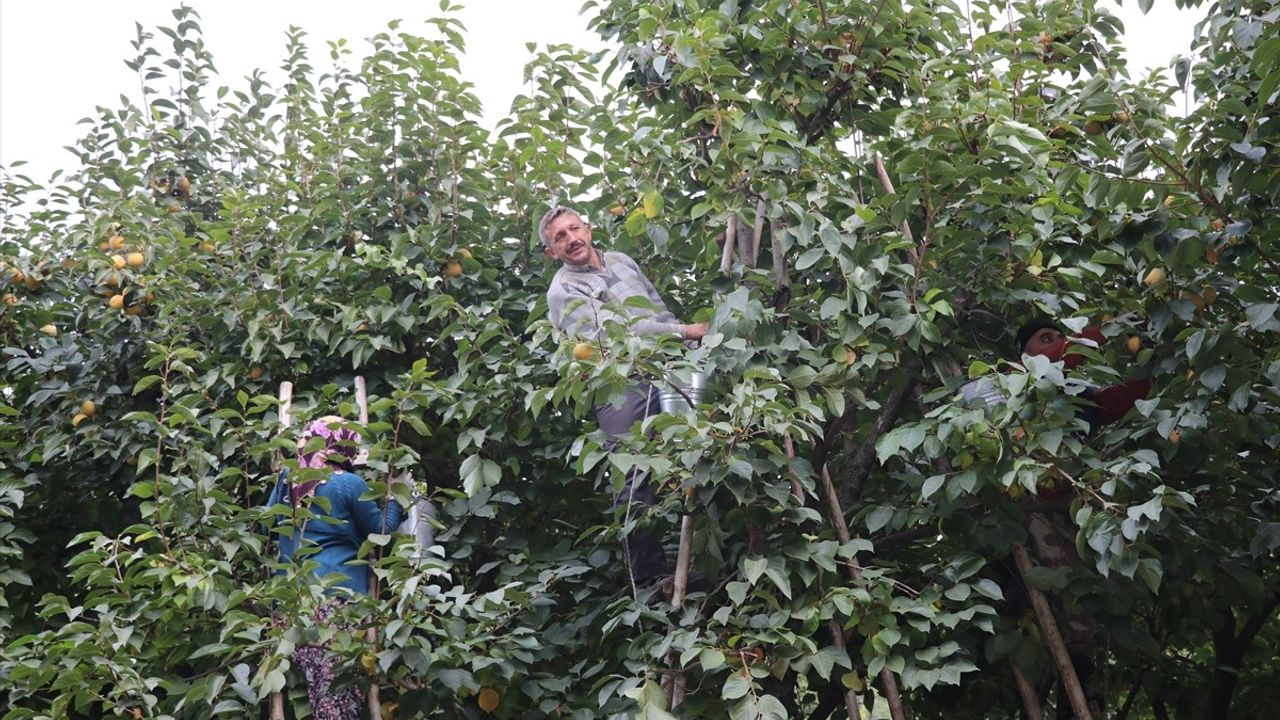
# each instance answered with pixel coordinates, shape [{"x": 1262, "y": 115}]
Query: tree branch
[{"x": 852, "y": 479}]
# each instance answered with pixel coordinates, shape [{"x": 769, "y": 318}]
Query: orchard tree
[{"x": 864, "y": 198}]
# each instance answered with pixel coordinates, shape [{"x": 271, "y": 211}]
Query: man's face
[
  {"x": 570, "y": 240},
  {"x": 1042, "y": 340}
]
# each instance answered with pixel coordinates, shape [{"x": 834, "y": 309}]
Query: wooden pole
[
  {"x": 887, "y": 184},
  {"x": 1030, "y": 700},
  {"x": 1049, "y": 626},
  {"x": 836, "y": 514},
  {"x": 684, "y": 560},
  {"x": 779, "y": 258},
  {"x": 852, "y": 704},
  {"x": 757, "y": 232},
  {"x": 730, "y": 239},
  {"x": 286, "y": 419},
  {"x": 375, "y": 691}
]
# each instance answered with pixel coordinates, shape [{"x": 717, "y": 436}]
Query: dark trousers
[{"x": 646, "y": 559}]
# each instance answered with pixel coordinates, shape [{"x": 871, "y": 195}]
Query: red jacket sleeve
[{"x": 1113, "y": 402}]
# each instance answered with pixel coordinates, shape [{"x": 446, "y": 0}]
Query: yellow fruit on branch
[
  {"x": 584, "y": 351},
  {"x": 488, "y": 699},
  {"x": 150, "y": 298},
  {"x": 116, "y": 242},
  {"x": 18, "y": 277},
  {"x": 1154, "y": 278},
  {"x": 50, "y": 330},
  {"x": 10, "y": 299},
  {"x": 1209, "y": 295},
  {"x": 255, "y": 373},
  {"x": 1134, "y": 344},
  {"x": 206, "y": 246},
  {"x": 89, "y": 408},
  {"x": 464, "y": 252},
  {"x": 1093, "y": 128},
  {"x": 453, "y": 269},
  {"x": 184, "y": 186},
  {"x": 134, "y": 310},
  {"x": 1219, "y": 224},
  {"x": 1195, "y": 299},
  {"x": 135, "y": 259},
  {"x": 113, "y": 280},
  {"x": 617, "y": 210},
  {"x": 116, "y": 302},
  {"x": 118, "y": 261},
  {"x": 77, "y": 419},
  {"x": 1211, "y": 254}
]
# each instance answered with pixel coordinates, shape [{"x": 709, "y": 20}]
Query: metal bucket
[
  {"x": 690, "y": 383},
  {"x": 417, "y": 523}
]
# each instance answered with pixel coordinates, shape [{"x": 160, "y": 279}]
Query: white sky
[{"x": 59, "y": 59}]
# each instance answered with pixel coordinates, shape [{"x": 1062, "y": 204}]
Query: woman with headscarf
[{"x": 337, "y": 530}]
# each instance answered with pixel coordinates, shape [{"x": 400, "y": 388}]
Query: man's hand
[{"x": 695, "y": 331}]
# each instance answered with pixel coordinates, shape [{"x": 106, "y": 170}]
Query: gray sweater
[{"x": 581, "y": 300}]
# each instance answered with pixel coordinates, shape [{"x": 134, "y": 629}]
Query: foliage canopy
[{"x": 301, "y": 232}]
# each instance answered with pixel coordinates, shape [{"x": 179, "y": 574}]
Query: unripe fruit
[
  {"x": 79, "y": 418},
  {"x": 584, "y": 351},
  {"x": 1154, "y": 278},
  {"x": 88, "y": 408},
  {"x": 116, "y": 302},
  {"x": 1134, "y": 344},
  {"x": 453, "y": 269},
  {"x": 135, "y": 259},
  {"x": 116, "y": 242},
  {"x": 464, "y": 252},
  {"x": 49, "y": 330},
  {"x": 118, "y": 261},
  {"x": 1123, "y": 116},
  {"x": 206, "y": 246}
]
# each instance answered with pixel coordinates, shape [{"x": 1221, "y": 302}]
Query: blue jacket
[{"x": 340, "y": 532}]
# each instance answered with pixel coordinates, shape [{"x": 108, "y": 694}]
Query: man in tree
[
  {"x": 589, "y": 292},
  {"x": 1042, "y": 336},
  {"x": 1053, "y": 545}
]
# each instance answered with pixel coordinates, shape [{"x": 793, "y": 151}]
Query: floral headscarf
[{"x": 341, "y": 445}]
